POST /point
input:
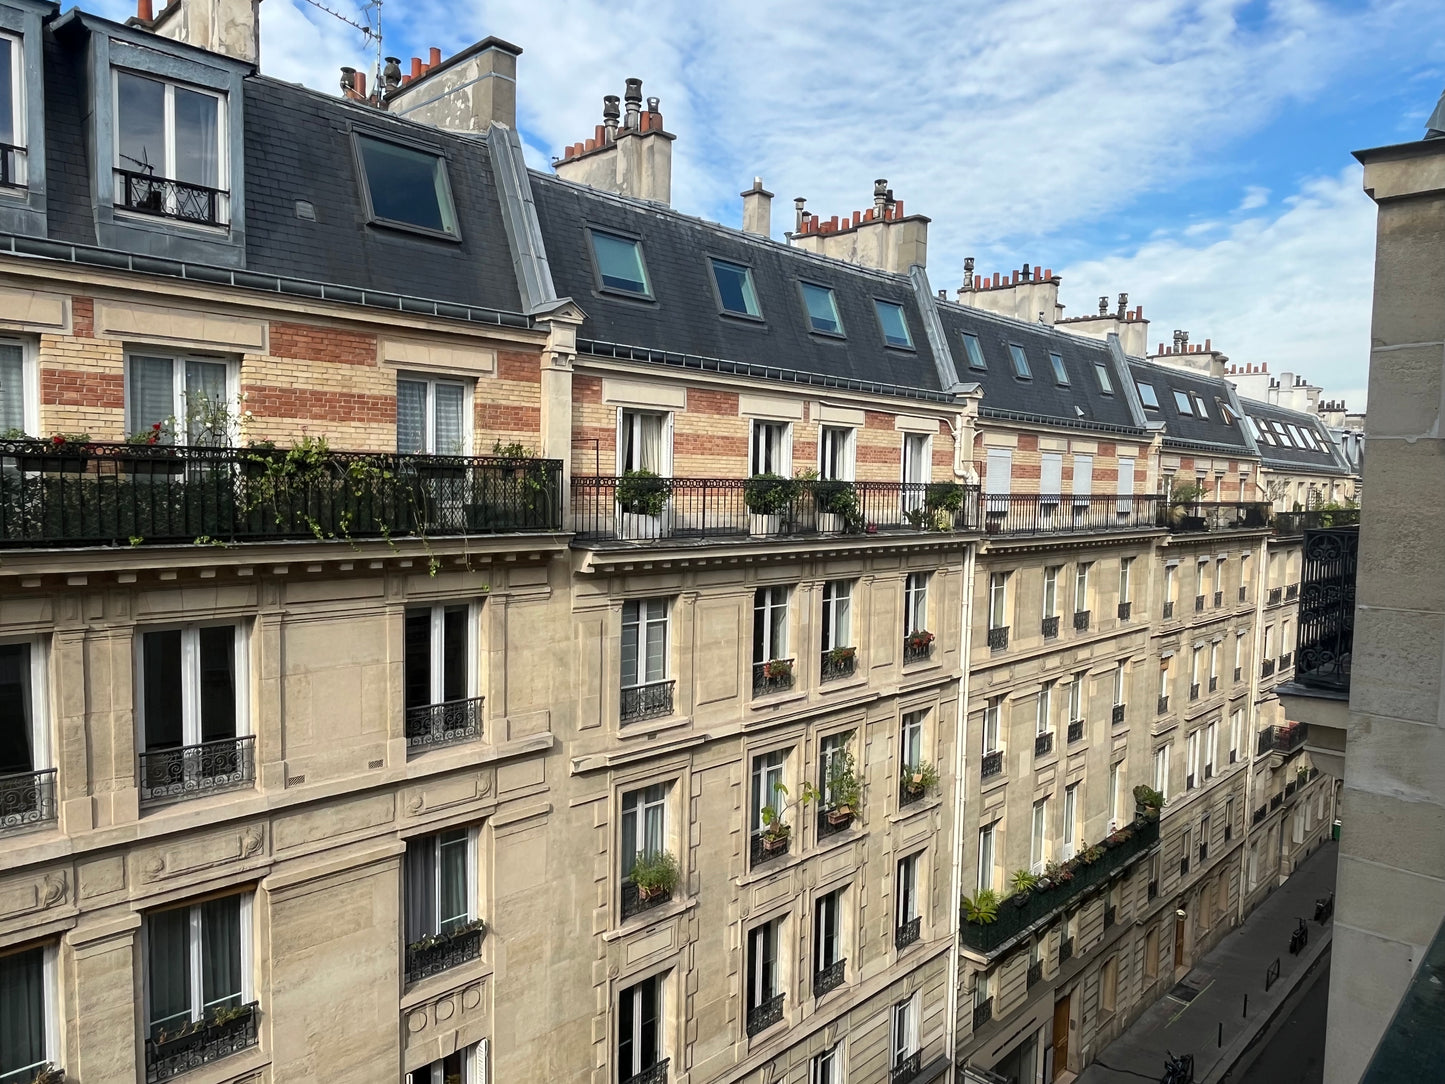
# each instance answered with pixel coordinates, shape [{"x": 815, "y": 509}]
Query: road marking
[{"x": 1197, "y": 996}]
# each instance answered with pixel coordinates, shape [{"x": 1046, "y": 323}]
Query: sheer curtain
[
  {"x": 197, "y": 145},
  {"x": 410, "y": 417},
  {"x": 22, "y": 1015},
  {"x": 421, "y": 900},
  {"x": 152, "y": 391},
  {"x": 452, "y": 857},
  {"x": 450, "y": 401},
  {"x": 12, "y": 388}
]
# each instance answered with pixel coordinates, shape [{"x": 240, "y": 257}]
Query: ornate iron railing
[
  {"x": 634, "y": 904},
  {"x": 1066, "y": 949},
  {"x": 1275, "y": 801},
  {"x": 830, "y": 978},
  {"x": 1110, "y": 914},
  {"x": 650, "y": 701},
  {"x": 193, "y": 771},
  {"x": 998, "y": 638},
  {"x": 916, "y": 650},
  {"x": 1284, "y": 660},
  {"x": 1327, "y": 608},
  {"x": 765, "y": 1015},
  {"x": 170, "y": 1056},
  {"x": 1062, "y": 514},
  {"x": 1257, "y": 817},
  {"x": 1198, "y": 604},
  {"x": 908, "y": 792},
  {"x": 773, "y": 676},
  {"x": 1213, "y": 683},
  {"x": 1288, "y": 737},
  {"x": 1036, "y": 973},
  {"x": 147, "y": 194},
  {"x": 656, "y": 1073},
  {"x": 1163, "y": 704},
  {"x": 982, "y": 1013},
  {"x": 1194, "y": 691},
  {"x": 1243, "y": 593},
  {"x": 907, "y": 1069},
  {"x": 90, "y": 494},
  {"x": 433, "y": 955},
  {"x": 1049, "y": 627},
  {"x": 447, "y": 723},
  {"x": 838, "y": 663},
  {"x": 27, "y": 799},
  {"x": 831, "y": 821},
  {"x": 1169, "y": 610},
  {"x": 1082, "y": 619},
  {"x": 760, "y": 851},
  {"x": 1076, "y": 730},
  {"x": 11, "y": 158},
  {"x": 1218, "y": 599},
  {"x": 992, "y": 764},
  {"x": 906, "y": 934},
  {"x": 1117, "y": 715},
  {"x": 1295, "y": 523},
  {"x": 1043, "y": 744},
  {"x": 1275, "y": 595},
  {"x": 1125, "y": 609}
]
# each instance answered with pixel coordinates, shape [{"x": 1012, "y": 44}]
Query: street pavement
[
  {"x": 1231, "y": 973},
  {"x": 1293, "y": 1050}
]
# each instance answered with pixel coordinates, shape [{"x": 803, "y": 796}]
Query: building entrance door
[
  {"x": 1061, "y": 1035},
  {"x": 1178, "y": 942}
]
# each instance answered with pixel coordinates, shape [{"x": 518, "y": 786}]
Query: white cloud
[
  {"x": 1255, "y": 196},
  {"x": 1292, "y": 290}
]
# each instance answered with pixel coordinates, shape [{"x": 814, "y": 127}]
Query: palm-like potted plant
[
  {"x": 655, "y": 875},
  {"x": 843, "y": 788},
  {"x": 1147, "y": 802},
  {"x": 1022, "y": 882},
  {"x": 982, "y": 907},
  {"x": 769, "y": 498}
]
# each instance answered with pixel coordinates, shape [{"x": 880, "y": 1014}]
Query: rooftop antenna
[{"x": 370, "y": 30}]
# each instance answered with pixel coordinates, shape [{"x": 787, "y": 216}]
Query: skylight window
[
  {"x": 619, "y": 263},
  {"x": 822, "y": 309},
  {"x": 1021, "y": 362},
  {"x": 1261, "y": 433},
  {"x": 1181, "y": 400},
  {"x": 406, "y": 186},
  {"x": 735, "y": 288},
  {"x": 1199, "y": 407},
  {"x": 1224, "y": 411},
  {"x": 894, "y": 324},
  {"x": 974, "y": 350},
  {"x": 1282, "y": 431},
  {"x": 1147, "y": 393},
  {"x": 1102, "y": 372},
  {"x": 1061, "y": 375}
]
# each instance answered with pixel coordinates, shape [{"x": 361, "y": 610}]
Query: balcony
[
  {"x": 656, "y": 1073},
  {"x": 1066, "y": 950},
  {"x": 1284, "y": 661},
  {"x": 773, "y": 676},
  {"x": 1218, "y": 599},
  {"x": 763, "y": 848},
  {"x": 982, "y": 1012},
  {"x": 1275, "y": 801},
  {"x": 635, "y": 903},
  {"x": 1194, "y": 691},
  {"x": 1297, "y": 523},
  {"x": 1053, "y": 514},
  {"x": 1327, "y": 609},
  {"x": 147, "y": 194},
  {"x": 645, "y": 508},
  {"x": 1110, "y": 915},
  {"x": 1266, "y": 668},
  {"x": 1275, "y": 595},
  {"x": 1291, "y": 592},
  {"x": 906, "y": 934},
  {"x": 1044, "y": 744},
  {"x": 1168, "y": 614},
  {"x": 225, "y": 1031},
  {"x": 1035, "y": 974},
  {"x": 1257, "y": 817},
  {"x": 447, "y": 723},
  {"x": 1050, "y": 627},
  {"x": 830, "y": 978},
  {"x": 27, "y": 799},
  {"x": 1213, "y": 684},
  {"x": 1163, "y": 704},
  {"x": 193, "y": 771},
  {"x": 1116, "y": 717},
  {"x": 1285, "y": 740},
  {"x": 907, "y": 1069},
  {"x": 1203, "y": 516},
  {"x": 1042, "y": 904},
  {"x": 917, "y": 647},
  {"x": 1075, "y": 731},
  {"x": 834, "y": 819},
  {"x": 1082, "y": 619},
  {"x": 95, "y": 494},
  {"x": 1184, "y": 866},
  {"x": 992, "y": 764},
  {"x": 1238, "y": 674},
  {"x": 840, "y": 662},
  {"x": 440, "y": 952},
  {"x": 650, "y": 701},
  {"x": 1125, "y": 609},
  {"x": 1199, "y": 604},
  {"x": 998, "y": 638},
  {"x": 1243, "y": 594},
  {"x": 765, "y": 1015}
]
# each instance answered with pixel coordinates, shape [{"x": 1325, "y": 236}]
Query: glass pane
[
  {"x": 1105, "y": 384},
  {"x": 197, "y": 138},
  {"x": 168, "y": 968},
  {"x": 1061, "y": 375},
  {"x": 453, "y": 859},
  {"x": 1146, "y": 393},
  {"x": 140, "y": 124},
  {"x": 208, "y": 415},
  {"x": 16, "y": 754},
  {"x": 22, "y": 1013},
  {"x": 161, "y": 676},
  {"x": 406, "y": 185},
  {"x": 454, "y": 653},
  {"x": 631, "y": 634},
  {"x": 822, "y": 311},
  {"x": 421, "y": 898},
  {"x": 417, "y": 666},
  {"x": 450, "y": 420},
  {"x": 7, "y": 113},
  {"x": 631, "y": 846},
  {"x": 152, "y": 391},
  {"x": 650, "y": 1009},
  {"x": 619, "y": 262},
  {"x": 12, "y": 386},
  {"x": 895, "y": 327},
  {"x": 974, "y": 351},
  {"x": 1020, "y": 360},
  {"x": 410, "y": 417},
  {"x": 627, "y": 1054},
  {"x": 221, "y": 952},
  {"x": 218, "y": 683},
  {"x": 656, "y": 643},
  {"x": 735, "y": 288}
]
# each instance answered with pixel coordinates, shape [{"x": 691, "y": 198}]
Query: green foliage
[
  {"x": 769, "y": 494},
  {"x": 655, "y": 874},
  {"x": 642, "y": 493},
  {"x": 15, "y": 434},
  {"x": 943, "y": 497},
  {"x": 1147, "y": 798},
  {"x": 1023, "y": 880},
  {"x": 843, "y": 783},
  {"x": 834, "y": 497},
  {"x": 1189, "y": 492},
  {"x": 775, "y": 827},
  {"x": 920, "y": 778},
  {"x": 982, "y": 907}
]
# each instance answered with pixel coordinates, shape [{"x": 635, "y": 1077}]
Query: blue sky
[{"x": 1194, "y": 153}]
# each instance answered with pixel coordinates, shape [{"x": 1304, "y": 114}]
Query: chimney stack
[
  {"x": 967, "y": 273},
  {"x": 758, "y": 209},
  {"x": 1103, "y": 305},
  {"x": 633, "y": 98},
  {"x": 229, "y": 27},
  {"x": 477, "y": 89},
  {"x": 1123, "y": 301},
  {"x": 631, "y": 158}
]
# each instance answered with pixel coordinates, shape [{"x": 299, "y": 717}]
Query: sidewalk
[{"x": 1234, "y": 969}]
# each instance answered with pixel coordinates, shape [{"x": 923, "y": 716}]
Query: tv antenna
[{"x": 370, "y": 29}]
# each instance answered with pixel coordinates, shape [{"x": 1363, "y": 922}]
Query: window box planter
[
  {"x": 773, "y": 676},
  {"x": 840, "y": 662},
  {"x": 776, "y": 843},
  {"x": 435, "y": 953},
  {"x": 769, "y": 498},
  {"x": 836, "y": 503},
  {"x": 918, "y": 646},
  {"x": 224, "y": 1032}
]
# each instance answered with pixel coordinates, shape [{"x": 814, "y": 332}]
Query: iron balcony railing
[
  {"x": 1125, "y": 609},
  {"x": 1284, "y": 660},
  {"x": 1066, "y": 948},
  {"x": 761, "y": 849},
  {"x": 992, "y": 764},
  {"x": 1198, "y": 603},
  {"x": 1059, "y": 514},
  {"x": 1297, "y": 523},
  {"x": 1076, "y": 730},
  {"x": 1276, "y": 800},
  {"x": 442, "y": 952},
  {"x": 27, "y": 799},
  {"x": 998, "y": 638},
  {"x": 644, "y": 507},
  {"x": 1169, "y": 611},
  {"x": 633, "y": 902},
  {"x": 86, "y": 494},
  {"x": 1288, "y": 737},
  {"x": 906, "y": 934},
  {"x": 982, "y": 1012},
  {"x": 1044, "y": 744},
  {"x": 447, "y": 723},
  {"x": 12, "y": 160},
  {"x": 765, "y": 1015},
  {"x": 222, "y": 1034},
  {"x": 1243, "y": 593},
  {"x": 1117, "y": 716},
  {"x": 193, "y": 771},
  {"x": 1110, "y": 914},
  {"x": 1036, "y": 973},
  {"x": 1266, "y": 668},
  {"x": 1222, "y": 516},
  {"x": 650, "y": 701},
  {"x": 1081, "y": 620},
  {"x": 1050, "y": 627},
  {"x": 1194, "y": 691},
  {"x": 1327, "y": 608},
  {"x": 916, "y": 650},
  {"x": 1257, "y": 817},
  {"x": 832, "y": 820},
  {"x": 837, "y": 663},
  {"x": 147, "y": 194},
  {"x": 1015, "y": 917},
  {"x": 656, "y": 1073},
  {"x": 907, "y": 1069},
  {"x": 1213, "y": 683},
  {"x": 1218, "y": 599},
  {"x": 773, "y": 676},
  {"x": 1275, "y": 595},
  {"x": 1291, "y": 592},
  {"x": 1163, "y": 704},
  {"x": 829, "y": 978}
]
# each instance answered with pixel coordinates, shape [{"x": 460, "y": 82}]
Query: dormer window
[
  {"x": 619, "y": 264},
  {"x": 1061, "y": 375},
  {"x": 1147, "y": 394},
  {"x": 1181, "y": 400},
  {"x": 1102, "y": 372},
  {"x": 894, "y": 324},
  {"x": 12, "y": 113},
  {"x": 735, "y": 291},
  {"x": 822, "y": 309},
  {"x": 1021, "y": 362},
  {"x": 974, "y": 350},
  {"x": 406, "y": 187},
  {"x": 170, "y": 151}
]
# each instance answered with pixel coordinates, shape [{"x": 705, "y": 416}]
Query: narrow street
[{"x": 1293, "y": 1051}]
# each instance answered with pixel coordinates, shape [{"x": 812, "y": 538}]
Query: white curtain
[
  {"x": 152, "y": 391},
  {"x": 207, "y": 408},
  {"x": 12, "y": 388},
  {"x": 197, "y": 148},
  {"x": 449, "y": 428},
  {"x": 410, "y": 417}
]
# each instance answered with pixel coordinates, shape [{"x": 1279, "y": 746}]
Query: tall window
[
  {"x": 998, "y": 600},
  {"x": 24, "y": 737},
  {"x": 1161, "y": 770},
  {"x": 26, "y": 1013},
  {"x": 1268, "y": 642},
  {"x": 191, "y": 695},
  {"x": 763, "y": 978},
  {"x": 827, "y": 1067},
  {"x": 192, "y": 395},
  {"x": 770, "y": 624},
  {"x": 13, "y": 398},
  {"x": 1239, "y": 653},
  {"x": 827, "y": 931},
  {"x": 644, "y": 824},
  {"x": 1193, "y": 776},
  {"x": 1164, "y": 678},
  {"x": 985, "y": 857},
  {"x": 1076, "y": 698},
  {"x": 917, "y": 464},
  {"x": 767, "y": 781},
  {"x": 1169, "y": 588},
  {"x": 912, "y": 738},
  {"x": 837, "y": 614},
  {"x": 905, "y": 1031},
  {"x": 639, "y": 1028},
  {"x": 465, "y": 1066},
  {"x": 832, "y": 748},
  {"x": 906, "y": 903},
  {"x": 1116, "y": 778},
  {"x": 1218, "y": 575},
  {"x": 1051, "y": 591},
  {"x": 1044, "y": 717},
  {"x": 1121, "y": 681},
  {"x": 915, "y": 602},
  {"x": 642, "y": 442},
  {"x": 1083, "y": 477},
  {"x": 1109, "y": 985},
  {"x": 1039, "y": 837},
  {"x": 197, "y": 962},
  {"x": 992, "y": 717},
  {"x": 1071, "y": 819},
  {"x": 438, "y": 655},
  {"x": 169, "y": 133},
  {"x": 441, "y": 883},
  {"x": 735, "y": 288},
  {"x": 12, "y": 112},
  {"x": 1213, "y": 663},
  {"x": 772, "y": 448},
  {"x": 1194, "y": 659},
  {"x": 1236, "y": 732},
  {"x": 1211, "y": 747},
  {"x": 1126, "y": 566},
  {"x": 644, "y": 642},
  {"x": 835, "y": 453},
  {"x": 1081, "y": 588},
  {"x": 1051, "y": 484},
  {"x": 1126, "y": 490},
  {"x": 431, "y": 417},
  {"x": 1201, "y": 577}
]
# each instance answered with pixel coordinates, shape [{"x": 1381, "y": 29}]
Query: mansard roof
[
  {"x": 1212, "y": 419},
  {"x": 1277, "y": 436}
]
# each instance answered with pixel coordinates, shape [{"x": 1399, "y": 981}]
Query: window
[
  {"x": 1121, "y": 677},
  {"x": 1020, "y": 362},
  {"x": 639, "y": 1028},
  {"x": 822, "y": 309},
  {"x": 1061, "y": 375},
  {"x": 997, "y": 600},
  {"x": 912, "y": 739},
  {"x": 974, "y": 350},
  {"x": 770, "y": 624},
  {"x": 1239, "y": 655},
  {"x": 642, "y": 442},
  {"x": 837, "y": 614},
  {"x": 772, "y": 448},
  {"x": 197, "y": 962},
  {"x": 1051, "y": 479},
  {"x": 1268, "y": 641},
  {"x": 1147, "y": 394},
  {"x": 192, "y": 700},
  {"x": 1039, "y": 838},
  {"x": 459, "y": 1067},
  {"x": 16, "y": 400},
  {"x": 188, "y": 393},
  {"x": 827, "y": 1067},
  {"x": 905, "y": 1031},
  {"x": 644, "y": 642},
  {"x": 170, "y": 150},
  {"x": 1211, "y": 747},
  {"x": 894, "y": 324},
  {"x": 764, "y": 980},
  {"x": 1194, "y": 657},
  {"x": 26, "y": 1012},
  {"x": 1126, "y": 485},
  {"x": 1076, "y": 698},
  {"x": 437, "y": 655},
  {"x": 906, "y": 902},
  {"x": 1109, "y": 984},
  {"x": 1081, "y": 588},
  {"x": 27, "y": 783},
  {"x": 1116, "y": 777},
  {"x": 835, "y": 453},
  {"x": 441, "y": 888},
  {"x": 432, "y": 417},
  {"x": 12, "y": 113},
  {"x": 1182, "y": 401},
  {"x": 1126, "y": 566},
  {"x": 827, "y": 931},
  {"x": 1164, "y": 664},
  {"x": 1083, "y": 477},
  {"x": 1213, "y": 664},
  {"x": 1161, "y": 770},
  {"x": 917, "y": 465},
  {"x": 735, "y": 289},
  {"x": 992, "y": 716},
  {"x": 1106, "y": 385},
  {"x": 1200, "y": 408},
  {"x": 1193, "y": 777},
  {"x": 1236, "y": 732},
  {"x": 767, "y": 780},
  {"x": 915, "y": 602},
  {"x": 1044, "y": 710},
  {"x": 833, "y": 747},
  {"x": 1071, "y": 819},
  {"x": 1151, "y": 954},
  {"x": 619, "y": 263},
  {"x": 406, "y": 186},
  {"x": 644, "y": 824},
  {"x": 1201, "y": 576},
  {"x": 985, "y": 857},
  {"x": 999, "y": 475},
  {"x": 1051, "y": 590}
]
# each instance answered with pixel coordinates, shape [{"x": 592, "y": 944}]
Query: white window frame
[
  {"x": 904, "y": 1031},
  {"x": 38, "y": 691},
  {"x": 1126, "y": 567},
  {"x": 1165, "y": 666},
  {"x": 992, "y": 723},
  {"x": 986, "y": 843},
  {"x": 1169, "y": 584},
  {"x": 436, "y": 650},
  {"x": 1116, "y": 774},
  {"x": 635, "y": 991},
  {"x": 168, "y": 121},
  {"x": 770, "y": 447},
  {"x": 1161, "y": 771},
  {"x": 1076, "y": 698},
  {"x": 49, "y": 1006},
  {"x": 638, "y": 804},
  {"x": 1044, "y": 710},
  {"x": 766, "y": 602},
  {"x": 766, "y": 772},
  {"x": 998, "y": 599},
  {"x": 915, "y": 602},
  {"x": 246, "y": 923},
  {"x": 631, "y": 418},
  {"x": 1193, "y": 775},
  {"x": 191, "y": 676},
  {"x": 29, "y": 382},
  {"x": 836, "y": 630},
  {"x": 760, "y": 938},
  {"x": 178, "y": 362},
  {"x": 916, "y": 461},
  {"x": 638, "y": 630},
  {"x": 1071, "y": 819},
  {"x": 837, "y": 443},
  {"x": 1039, "y": 836},
  {"x": 1211, "y": 746},
  {"x": 906, "y": 890},
  {"x": 1214, "y": 661},
  {"x": 17, "y": 96},
  {"x": 911, "y": 738},
  {"x": 1081, "y": 586},
  {"x": 1051, "y": 590},
  {"x": 1236, "y": 729},
  {"x": 828, "y": 911},
  {"x": 429, "y": 435},
  {"x": 432, "y": 842},
  {"x": 474, "y": 1059},
  {"x": 1082, "y": 486},
  {"x": 1121, "y": 683},
  {"x": 827, "y": 1066}
]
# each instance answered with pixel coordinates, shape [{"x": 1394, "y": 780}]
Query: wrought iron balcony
[
  {"x": 91, "y": 494},
  {"x": 1117, "y": 715},
  {"x": 1218, "y": 599},
  {"x": 992, "y": 764},
  {"x": 1213, "y": 683},
  {"x": 1198, "y": 603},
  {"x": 1221, "y": 516},
  {"x": 1066, "y": 950},
  {"x": 441, "y": 952},
  {"x": 634, "y": 904},
  {"x": 1125, "y": 609},
  {"x": 1266, "y": 668},
  {"x": 982, "y": 1012},
  {"x": 27, "y": 799},
  {"x": 917, "y": 649},
  {"x": 838, "y": 663},
  {"x": 1275, "y": 801},
  {"x": 762, "y": 848},
  {"x": 830, "y": 978},
  {"x": 907, "y": 1069},
  {"x": 1035, "y": 973},
  {"x": 650, "y": 701},
  {"x": 906, "y": 934},
  {"x": 223, "y": 1033},
  {"x": 446, "y": 723},
  {"x": 1258, "y": 816},
  {"x": 1184, "y": 866},
  {"x": 1055, "y": 514},
  {"x": 1050, "y": 627},
  {"x": 1291, "y": 592},
  {"x": 1194, "y": 691},
  {"x": 147, "y": 194},
  {"x": 1287, "y": 738},
  {"x": 1238, "y": 673},
  {"x": 1044, "y": 744},
  {"x": 998, "y": 638},
  {"x": 1075, "y": 731},
  {"x": 656, "y": 1073},
  {"x": 1163, "y": 704},
  {"x": 773, "y": 676},
  {"x": 1289, "y": 788},
  {"x": 1110, "y": 914},
  {"x": 12, "y": 161},
  {"x": 1275, "y": 595},
  {"x": 1153, "y": 890},
  {"x": 193, "y": 771},
  {"x": 1297, "y": 523},
  {"x": 1169, "y": 610},
  {"x": 1189, "y": 781},
  {"x": 643, "y": 507},
  {"x": 1081, "y": 620},
  {"x": 1327, "y": 608},
  {"x": 1284, "y": 660},
  {"x": 765, "y": 1015},
  {"x": 1243, "y": 594},
  {"x": 832, "y": 820}
]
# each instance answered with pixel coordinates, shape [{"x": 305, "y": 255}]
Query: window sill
[
  {"x": 650, "y": 728},
  {"x": 416, "y": 231},
  {"x": 454, "y": 978},
  {"x": 217, "y": 230},
  {"x": 913, "y": 809},
  {"x": 932, "y": 662},
  {"x": 795, "y": 858},
  {"x": 773, "y": 700},
  {"x": 653, "y": 916},
  {"x": 625, "y": 295}
]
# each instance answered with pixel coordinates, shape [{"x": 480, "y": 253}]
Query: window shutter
[
  {"x": 1051, "y": 474},
  {"x": 1083, "y": 475},
  {"x": 1126, "y": 485}
]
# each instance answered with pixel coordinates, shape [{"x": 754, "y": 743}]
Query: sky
[{"x": 1194, "y": 153}]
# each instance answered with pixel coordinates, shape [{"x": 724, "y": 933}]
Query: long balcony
[
  {"x": 1219, "y": 516},
  {"x": 1060, "y": 514},
  {"x": 88, "y": 494},
  {"x": 1016, "y": 916}
]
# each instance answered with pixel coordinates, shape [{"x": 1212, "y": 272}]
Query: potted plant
[
  {"x": 919, "y": 778},
  {"x": 49, "y": 1074},
  {"x": 63, "y": 453},
  {"x": 769, "y": 498},
  {"x": 982, "y": 907},
  {"x": 1092, "y": 854},
  {"x": 836, "y": 503},
  {"x": 1022, "y": 881},
  {"x": 839, "y": 660},
  {"x": 942, "y": 501},
  {"x": 778, "y": 670},
  {"x": 655, "y": 876},
  {"x": 843, "y": 788},
  {"x": 1147, "y": 802},
  {"x": 1186, "y": 496},
  {"x": 1058, "y": 873},
  {"x": 641, "y": 499},
  {"x": 919, "y": 642},
  {"x": 152, "y": 451},
  {"x": 775, "y": 831}
]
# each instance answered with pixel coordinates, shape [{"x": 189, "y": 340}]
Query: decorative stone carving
[
  {"x": 252, "y": 840},
  {"x": 56, "y": 888}
]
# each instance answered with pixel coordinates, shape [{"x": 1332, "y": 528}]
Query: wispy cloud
[{"x": 1255, "y": 196}]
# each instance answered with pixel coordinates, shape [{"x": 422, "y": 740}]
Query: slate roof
[
  {"x": 1278, "y": 452},
  {"x": 1213, "y": 429},
  {"x": 1040, "y": 397},
  {"x": 684, "y": 315}
]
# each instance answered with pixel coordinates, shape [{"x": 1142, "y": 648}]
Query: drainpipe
[{"x": 960, "y": 761}]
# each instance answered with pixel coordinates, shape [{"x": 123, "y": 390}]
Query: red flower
[{"x": 57, "y": 440}]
